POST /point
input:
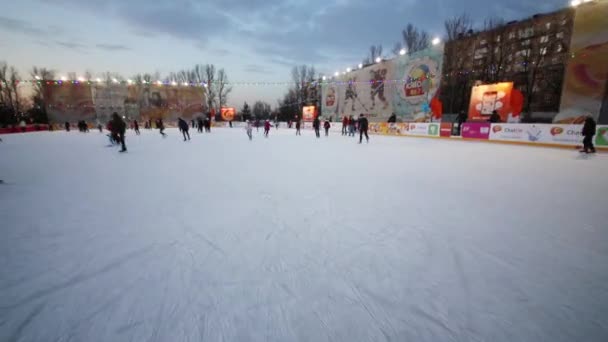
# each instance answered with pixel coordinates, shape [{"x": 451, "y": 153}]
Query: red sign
[
  {"x": 227, "y": 113},
  {"x": 446, "y": 129}
]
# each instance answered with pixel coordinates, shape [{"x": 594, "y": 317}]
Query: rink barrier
[
  {"x": 28, "y": 128},
  {"x": 540, "y": 135}
]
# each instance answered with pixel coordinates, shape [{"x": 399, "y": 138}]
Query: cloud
[
  {"x": 255, "y": 68},
  {"x": 70, "y": 45},
  {"x": 20, "y": 26},
  {"x": 113, "y": 47}
]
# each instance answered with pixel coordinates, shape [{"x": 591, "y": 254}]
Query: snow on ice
[{"x": 299, "y": 239}]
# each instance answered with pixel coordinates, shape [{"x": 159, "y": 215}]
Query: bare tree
[
  {"x": 414, "y": 39},
  {"x": 397, "y": 48},
  {"x": 42, "y": 75},
  {"x": 211, "y": 85},
  {"x": 493, "y": 54},
  {"x": 375, "y": 51},
  {"x": 261, "y": 110},
  {"x": 457, "y": 27},
  {"x": 9, "y": 87},
  {"x": 223, "y": 88},
  {"x": 458, "y": 54}
]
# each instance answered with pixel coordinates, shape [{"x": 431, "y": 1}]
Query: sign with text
[{"x": 476, "y": 130}]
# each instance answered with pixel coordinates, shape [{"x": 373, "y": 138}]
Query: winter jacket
[
  {"x": 363, "y": 123},
  {"x": 327, "y": 125},
  {"x": 183, "y": 125},
  {"x": 316, "y": 123},
  {"x": 118, "y": 125},
  {"x": 267, "y": 125},
  {"x": 589, "y": 127},
  {"x": 345, "y": 121},
  {"x": 298, "y": 124}
]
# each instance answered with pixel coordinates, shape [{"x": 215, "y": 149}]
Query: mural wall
[
  {"x": 97, "y": 102},
  {"x": 404, "y": 85},
  {"x": 587, "y": 72}
]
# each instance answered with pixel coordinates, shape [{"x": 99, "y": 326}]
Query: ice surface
[{"x": 298, "y": 239}]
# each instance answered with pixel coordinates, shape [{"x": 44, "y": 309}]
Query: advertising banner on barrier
[
  {"x": 428, "y": 129},
  {"x": 445, "y": 130},
  {"x": 476, "y": 130},
  {"x": 539, "y": 133},
  {"x": 601, "y": 137}
]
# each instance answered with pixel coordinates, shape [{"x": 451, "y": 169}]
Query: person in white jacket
[{"x": 249, "y": 129}]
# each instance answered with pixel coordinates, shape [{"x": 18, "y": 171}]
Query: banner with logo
[
  {"x": 586, "y": 74},
  {"x": 425, "y": 129},
  {"x": 488, "y": 98},
  {"x": 601, "y": 137},
  {"x": 404, "y": 85},
  {"x": 227, "y": 113},
  {"x": 538, "y": 133},
  {"x": 475, "y": 130}
]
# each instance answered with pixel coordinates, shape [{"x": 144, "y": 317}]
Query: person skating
[
  {"x": 344, "y": 125},
  {"x": 67, "y": 126},
  {"x": 267, "y": 126},
  {"x": 588, "y": 132},
  {"x": 316, "y": 126},
  {"x": 136, "y": 127},
  {"x": 298, "y": 126},
  {"x": 161, "y": 127},
  {"x": 392, "y": 118},
  {"x": 257, "y": 125},
  {"x": 249, "y": 129},
  {"x": 119, "y": 127},
  {"x": 327, "y": 126},
  {"x": 351, "y": 126},
  {"x": 192, "y": 122},
  {"x": 208, "y": 125},
  {"x": 199, "y": 124},
  {"x": 363, "y": 125},
  {"x": 183, "y": 127}
]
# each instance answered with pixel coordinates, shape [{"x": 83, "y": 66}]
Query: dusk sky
[{"x": 254, "y": 40}]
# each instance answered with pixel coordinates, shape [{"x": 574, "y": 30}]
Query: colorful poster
[
  {"x": 601, "y": 137},
  {"x": 404, "y": 85},
  {"x": 488, "y": 98},
  {"x": 308, "y": 113},
  {"x": 476, "y": 130},
  {"x": 419, "y": 76},
  {"x": 227, "y": 113},
  {"x": 586, "y": 76},
  {"x": 69, "y": 102}
]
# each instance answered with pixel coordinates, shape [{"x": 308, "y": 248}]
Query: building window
[
  {"x": 559, "y": 48},
  {"x": 543, "y": 51},
  {"x": 525, "y": 42},
  {"x": 548, "y": 25},
  {"x": 511, "y": 35},
  {"x": 559, "y": 35},
  {"x": 544, "y": 39}
]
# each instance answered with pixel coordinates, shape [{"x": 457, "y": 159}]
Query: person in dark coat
[
  {"x": 316, "y": 125},
  {"x": 363, "y": 126},
  {"x": 193, "y": 123},
  {"x": 183, "y": 127},
  {"x": 588, "y": 132},
  {"x": 208, "y": 125},
  {"x": 199, "y": 124},
  {"x": 392, "y": 118},
  {"x": 161, "y": 127},
  {"x": 67, "y": 126},
  {"x": 327, "y": 126},
  {"x": 118, "y": 128},
  {"x": 298, "y": 126},
  {"x": 494, "y": 118},
  {"x": 460, "y": 119},
  {"x": 136, "y": 127}
]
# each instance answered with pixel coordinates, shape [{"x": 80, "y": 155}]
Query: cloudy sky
[{"x": 254, "y": 40}]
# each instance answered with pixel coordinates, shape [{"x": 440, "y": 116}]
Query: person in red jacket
[
  {"x": 267, "y": 126},
  {"x": 344, "y": 125}
]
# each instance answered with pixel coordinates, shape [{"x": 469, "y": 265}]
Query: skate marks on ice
[{"x": 79, "y": 278}]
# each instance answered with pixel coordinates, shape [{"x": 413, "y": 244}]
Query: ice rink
[{"x": 299, "y": 239}]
